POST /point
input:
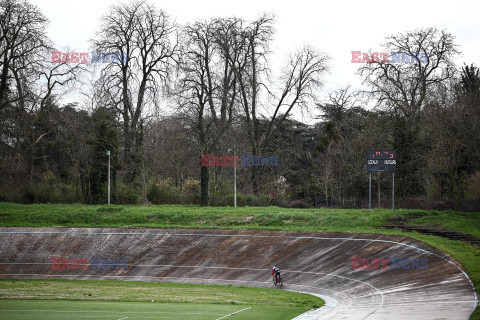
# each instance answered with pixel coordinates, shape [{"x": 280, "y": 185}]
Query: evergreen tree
[{"x": 104, "y": 138}]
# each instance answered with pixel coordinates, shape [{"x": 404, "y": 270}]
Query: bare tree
[
  {"x": 28, "y": 81},
  {"x": 144, "y": 41},
  {"x": 208, "y": 86},
  {"x": 454, "y": 142},
  {"x": 22, "y": 38},
  {"x": 44, "y": 93},
  {"x": 298, "y": 84},
  {"x": 422, "y": 61},
  {"x": 349, "y": 130}
]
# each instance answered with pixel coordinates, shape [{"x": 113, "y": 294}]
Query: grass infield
[
  {"x": 138, "y": 291},
  {"x": 66, "y": 310},
  {"x": 74, "y": 299}
]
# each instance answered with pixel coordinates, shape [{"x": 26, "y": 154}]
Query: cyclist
[{"x": 276, "y": 273}]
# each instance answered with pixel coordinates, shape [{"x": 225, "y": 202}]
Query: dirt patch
[
  {"x": 435, "y": 231},
  {"x": 248, "y": 219}
]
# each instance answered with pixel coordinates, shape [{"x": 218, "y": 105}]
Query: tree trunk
[
  {"x": 30, "y": 154},
  {"x": 254, "y": 177},
  {"x": 204, "y": 194},
  {"x": 254, "y": 180},
  {"x": 3, "y": 84}
]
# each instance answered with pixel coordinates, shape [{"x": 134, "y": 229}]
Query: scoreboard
[{"x": 381, "y": 160}]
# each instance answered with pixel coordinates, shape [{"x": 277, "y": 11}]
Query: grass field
[
  {"x": 66, "y": 310},
  {"x": 137, "y": 291},
  {"x": 82, "y": 299},
  {"x": 270, "y": 218}
]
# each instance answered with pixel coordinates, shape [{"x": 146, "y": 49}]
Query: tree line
[{"x": 177, "y": 92}]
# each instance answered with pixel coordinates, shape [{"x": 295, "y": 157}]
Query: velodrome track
[{"x": 317, "y": 263}]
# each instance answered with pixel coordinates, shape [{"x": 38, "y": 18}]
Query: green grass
[
  {"x": 464, "y": 222},
  {"x": 47, "y": 215},
  {"x": 66, "y": 310},
  {"x": 137, "y": 291},
  {"x": 476, "y": 314},
  {"x": 75, "y": 215},
  {"x": 270, "y": 218}
]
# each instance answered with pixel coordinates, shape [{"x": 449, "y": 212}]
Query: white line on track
[
  {"x": 123, "y": 318},
  {"x": 230, "y": 314},
  {"x": 258, "y": 236},
  {"x": 329, "y": 305}
]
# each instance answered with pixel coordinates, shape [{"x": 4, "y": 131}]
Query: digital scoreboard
[{"x": 382, "y": 160}]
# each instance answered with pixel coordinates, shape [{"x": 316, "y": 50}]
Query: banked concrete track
[{"x": 317, "y": 263}]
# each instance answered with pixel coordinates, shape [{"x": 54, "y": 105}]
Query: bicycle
[{"x": 278, "y": 280}]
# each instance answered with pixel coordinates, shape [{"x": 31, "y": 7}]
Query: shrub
[
  {"x": 221, "y": 188},
  {"x": 299, "y": 204},
  {"x": 256, "y": 201},
  {"x": 27, "y": 195},
  {"x": 474, "y": 186},
  {"x": 192, "y": 187},
  {"x": 126, "y": 195},
  {"x": 240, "y": 200},
  {"x": 157, "y": 195}
]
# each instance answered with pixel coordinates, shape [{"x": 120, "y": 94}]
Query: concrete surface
[{"x": 317, "y": 263}]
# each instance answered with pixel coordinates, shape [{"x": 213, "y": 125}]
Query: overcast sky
[{"x": 336, "y": 27}]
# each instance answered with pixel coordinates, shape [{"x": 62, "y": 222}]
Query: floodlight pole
[
  {"x": 234, "y": 180},
  {"x": 108, "y": 154}
]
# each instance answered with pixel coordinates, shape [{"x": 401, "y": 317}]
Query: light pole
[
  {"x": 108, "y": 154},
  {"x": 234, "y": 180}
]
